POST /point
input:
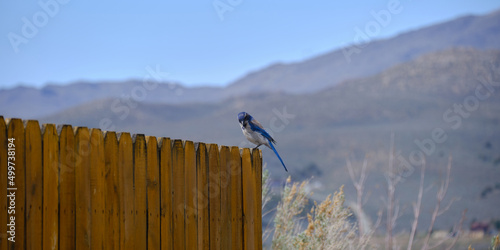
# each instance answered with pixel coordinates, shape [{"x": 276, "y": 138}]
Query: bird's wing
[
  {"x": 257, "y": 123},
  {"x": 256, "y": 126}
]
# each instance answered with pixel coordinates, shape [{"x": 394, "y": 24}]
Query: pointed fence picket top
[{"x": 84, "y": 188}]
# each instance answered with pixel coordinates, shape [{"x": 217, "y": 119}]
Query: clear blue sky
[{"x": 117, "y": 40}]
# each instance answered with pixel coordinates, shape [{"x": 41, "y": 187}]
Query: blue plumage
[{"x": 255, "y": 133}]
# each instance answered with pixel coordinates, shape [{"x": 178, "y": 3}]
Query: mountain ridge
[
  {"x": 308, "y": 76},
  {"x": 333, "y": 67}
]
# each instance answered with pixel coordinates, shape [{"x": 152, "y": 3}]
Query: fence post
[
  {"x": 112, "y": 216},
  {"x": 166, "y": 221},
  {"x": 191, "y": 214},
  {"x": 153, "y": 193},
  {"x": 50, "y": 187},
  {"x": 178, "y": 207},
  {"x": 215, "y": 196},
  {"x": 225, "y": 208},
  {"x": 16, "y": 131},
  {"x": 126, "y": 189},
  {"x": 3, "y": 184},
  {"x": 82, "y": 188},
  {"x": 34, "y": 203},
  {"x": 67, "y": 210},
  {"x": 97, "y": 189},
  {"x": 140, "y": 191},
  {"x": 249, "y": 201},
  {"x": 202, "y": 199},
  {"x": 236, "y": 198},
  {"x": 257, "y": 173}
]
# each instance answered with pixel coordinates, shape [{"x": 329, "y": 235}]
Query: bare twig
[
  {"x": 458, "y": 231},
  {"x": 416, "y": 207},
  {"x": 379, "y": 219},
  {"x": 453, "y": 199},
  {"x": 441, "y": 193},
  {"x": 392, "y": 180},
  {"x": 395, "y": 214},
  {"x": 359, "y": 186}
]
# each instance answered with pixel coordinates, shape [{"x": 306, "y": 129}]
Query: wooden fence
[{"x": 80, "y": 188}]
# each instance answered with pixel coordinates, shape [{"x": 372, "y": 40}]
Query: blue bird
[{"x": 255, "y": 133}]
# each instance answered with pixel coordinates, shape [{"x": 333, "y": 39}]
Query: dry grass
[{"x": 328, "y": 225}]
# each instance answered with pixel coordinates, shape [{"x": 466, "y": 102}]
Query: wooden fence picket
[
  {"x": 67, "y": 209},
  {"x": 34, "y": 203},
  {"x": 249, "y": 203},
  {"x": 3, "y": 184},
  {"x": 215, "y": 196},
  {"x": 140, "y": 204},
  {"x": 225, "y": 209},
  {"x": 126, "y": 189},
  {"x": 153, "y": 193},
  {"x": 202, "y": 196},
  {"x": 166, "y": 221},
  {"x": 82, "y": 188},
  {"x": 50, "y": 187},
  {"x": 178, "y": 194},
  {"x": 236, "y": 198},
  {"x": 191, "y": 213},
  {"x": 16, "y": 131},
  {"x": 97, "y": 189}
]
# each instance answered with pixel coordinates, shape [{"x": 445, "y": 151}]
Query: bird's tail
[{"x": 276, "y": 152}]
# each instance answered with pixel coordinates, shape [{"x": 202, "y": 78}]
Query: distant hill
[
  {"x": 445, "y": 73},
  {"x": 29, "y": 102},
  {"x": 309, "y": 76},
  {"x": 417, "y": 87},
  {"x": 354, "y": 118}
]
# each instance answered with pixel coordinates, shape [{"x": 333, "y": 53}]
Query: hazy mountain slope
[
  {"x": 355, "y": 118},
  {"x": 331, "y": 68},
  {"x": 302, "y": 77},
  {"x": 29, "y": 102},
  {"x": 414, "y": 91},
  {"x": 453, "y": 72}
]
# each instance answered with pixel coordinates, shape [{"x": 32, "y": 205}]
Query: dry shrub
[{"x": 328, "y": 222}]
